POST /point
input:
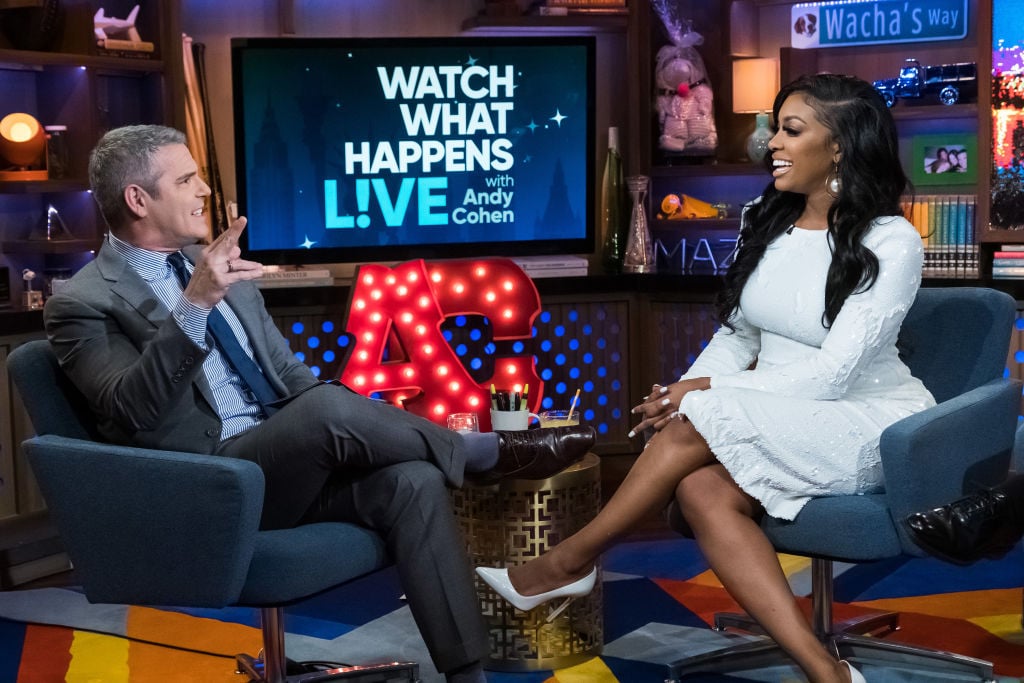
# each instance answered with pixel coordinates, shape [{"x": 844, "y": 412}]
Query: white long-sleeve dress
[{"x": 806, "y": 420}]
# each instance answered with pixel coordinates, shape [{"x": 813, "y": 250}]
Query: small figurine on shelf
[
  {"x": 120, "y": 36},
  {"x": 33, "y": 298},
  {"x": 684, "y": 98}
]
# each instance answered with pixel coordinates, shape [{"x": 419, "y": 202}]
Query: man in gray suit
[{"x": 143, "y": 333}]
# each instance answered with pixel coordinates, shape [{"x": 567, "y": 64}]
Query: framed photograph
[{"x": 944, "y": 159}]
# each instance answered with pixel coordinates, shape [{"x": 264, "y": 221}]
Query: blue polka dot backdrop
[{"x": 579, "y": 345}]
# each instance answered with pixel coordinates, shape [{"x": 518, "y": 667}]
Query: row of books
[
  {"x": 1008, "y": 262},
  {"x": 947, "y": 228}
]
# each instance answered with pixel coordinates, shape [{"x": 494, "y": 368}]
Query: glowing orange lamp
[
  {"x": 22, "y": 148},
  {"x": 396, "y": 313}
]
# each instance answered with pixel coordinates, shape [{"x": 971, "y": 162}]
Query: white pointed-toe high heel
[
  {"x": 499, "y": 581},
  {"x": 855, "y": 676}
]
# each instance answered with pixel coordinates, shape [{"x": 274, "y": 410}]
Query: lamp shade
[
  {"x": 22, "y": 141},
  {"x": 755, "y": 83}
]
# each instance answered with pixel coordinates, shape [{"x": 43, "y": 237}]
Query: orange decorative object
[
  {"x": 673, "y": 208},
  {"x": 396, "y": 314}
]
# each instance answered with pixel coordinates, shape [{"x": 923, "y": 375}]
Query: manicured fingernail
[
  {"x": 666, "y": 401},
  {"x": 664, "y": 390},
  {"x": 631, "y": 434}
]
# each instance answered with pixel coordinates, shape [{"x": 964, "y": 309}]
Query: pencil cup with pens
[{"x": 509, "y": 410}]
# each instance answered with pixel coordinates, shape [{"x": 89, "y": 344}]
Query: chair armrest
[
  {"x": 151, "y": 527},
  {"x": 935, "y": 456}
]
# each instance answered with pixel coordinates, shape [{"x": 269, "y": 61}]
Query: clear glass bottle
[
  {"x": 613, "y": 207},
  {"x": 639, "y": 256}
]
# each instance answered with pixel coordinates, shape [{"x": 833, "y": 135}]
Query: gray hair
[{"x": 124, "y": 157}]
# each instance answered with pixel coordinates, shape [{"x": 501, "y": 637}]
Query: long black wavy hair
[{"x": 871, "y": 182}]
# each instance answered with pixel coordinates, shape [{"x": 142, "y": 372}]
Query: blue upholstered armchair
[
  {"x": 955, "y": 340},
  {"x": 169, "y": 528}
]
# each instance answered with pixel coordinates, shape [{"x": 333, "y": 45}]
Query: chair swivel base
[
  {"x": 765, "y": 652},
  {"x": 391, "y": 672}
]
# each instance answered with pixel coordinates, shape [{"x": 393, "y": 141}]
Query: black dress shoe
[
  {"x": 981, "y": 525},
  {"x": 537, "y": 453}
]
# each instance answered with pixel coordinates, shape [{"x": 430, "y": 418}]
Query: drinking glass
[{"x": 463, "y": 422}]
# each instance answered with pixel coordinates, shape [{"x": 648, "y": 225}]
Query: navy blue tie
[{"x": 254, "y": 383}]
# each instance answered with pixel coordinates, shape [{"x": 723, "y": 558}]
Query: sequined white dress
[{"x": 806, "y": 421}]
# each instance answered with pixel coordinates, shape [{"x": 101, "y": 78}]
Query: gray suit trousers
[{"x": 333, "y": 455}]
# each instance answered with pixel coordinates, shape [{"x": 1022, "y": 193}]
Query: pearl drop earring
[{"x": 833, "y": 181}]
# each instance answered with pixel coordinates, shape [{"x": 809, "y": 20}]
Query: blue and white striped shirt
[{"x": 235, "y": 413}]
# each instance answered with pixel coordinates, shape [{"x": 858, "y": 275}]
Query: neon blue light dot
[
  {"x": 601, "y": 343},
  {"x": 1019, "y": 356},
  {"x": 315, "y": 370},
  {"x": 545, "y": 345},
  {"x": 328, "y": 356},
  {"x": 546, "y": 374},
  {"x": 588, "y": 415},
  {"x": 343, "y": 341},
  {"x": 297, "y": 328},
  {"x": 460, "y": 321},
  {"x": 490, "y": 348},
  {"x": 547, "y": 402},
  {"x": 573, "y": 315},
  {"x": 461, "y": 350},
  {"x": 518, "y": 347},
  {"x": 588, "y": 358},
  {"x": 327, "y": 327},
  {"x": 602, "y": 371},
  {"x": 559, "y": 330},
  {"x": 1020, "y": 323},
  {"x": 616, "y": 413},
  {"x": 560, "y": 359},
  {"x": 602, "y": 428},
  {"x": 616, "y": 385},
  {"x": 560, "y": 388},
  {"x": 574, "y": 373},
  {"x": 1006, "y": 372},
  {"x": 602, "y": 400},
  {"x": 475, "y": 335},
  {"x": 301, "y": 356},
  {"x": 313, "y": 342},
  {"x": 476, "y": 364},
  {"x": 588, "y": 386},
  {"x": 448, "y": 335},
  {"x": 616, "y": 356},
  {"x": 574, "y": 344},
  {"x": 588, "y": 329},
  {"x": 545, "y": 317}
]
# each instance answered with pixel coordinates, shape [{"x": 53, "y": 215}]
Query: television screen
[{"x": 387, "y": 149}]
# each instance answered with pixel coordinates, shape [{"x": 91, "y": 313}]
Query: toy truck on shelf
[{"x": 948, "y": 83}]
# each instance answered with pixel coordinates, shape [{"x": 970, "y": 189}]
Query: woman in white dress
[{"x": 789, "y": 398}]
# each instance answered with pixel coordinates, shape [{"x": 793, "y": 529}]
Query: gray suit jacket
[{"x": 140, "y": 373}]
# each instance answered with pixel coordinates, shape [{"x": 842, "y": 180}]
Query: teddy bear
[
  {"x": 683, "y": 96},
  {"x": 684, "y": 102}
]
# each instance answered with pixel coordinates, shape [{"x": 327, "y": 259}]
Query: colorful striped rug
[{"x": 659, "y": 600}]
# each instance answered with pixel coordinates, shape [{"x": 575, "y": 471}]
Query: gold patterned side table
[{"x": 508, "y": 523}]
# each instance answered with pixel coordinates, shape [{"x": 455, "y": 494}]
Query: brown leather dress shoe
[{"x": 537, "y": 453}]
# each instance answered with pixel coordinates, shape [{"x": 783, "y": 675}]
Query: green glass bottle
[{"x": 612, "y": 214}]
